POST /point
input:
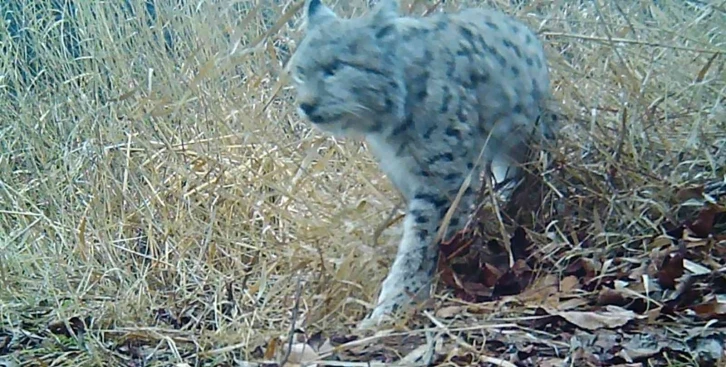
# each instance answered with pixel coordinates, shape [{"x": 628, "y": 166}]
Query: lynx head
[{"x": 345, "y": 71}]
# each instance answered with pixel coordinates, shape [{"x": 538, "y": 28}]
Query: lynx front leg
[{"x": 409, "y": 280}]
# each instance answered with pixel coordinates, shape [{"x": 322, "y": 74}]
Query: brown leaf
[
  {"x": 302, "y": 354},
  {"x": 570, "y": 283},
  {"x": 690, "y": 192},
  {"x": 450, "y": 311},
  {"x": 542, "y": 288},
  {"x": 74, "y": 326},
  {"x": 711, "y": 309},
  {"x": 583, "y": 268},
  {"x": 609, "y": 296},
  {"x": 455, "y": 246},
  {"x": 670, "y": 270},
  {"x": 703, "y": 225},
  {"x": 594, "y": 320},
  {"x": 551, "y": 362},
  {"x": 519, "y": 244},
  {"x": 271, "y": 349},
  {"x": 477, "y": 290},
  {"x": 571, "y": 304},
  {"x": 489, "y": 275},
  {"x": 514, "y": 280}
]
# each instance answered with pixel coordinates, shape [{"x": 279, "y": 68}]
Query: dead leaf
[
  {"x": 710, "y": 309},
  {"x": 593, "y": 320},
  {"x": 489, "y": 275},
  {"x": 584, "y": 268},
  {"x": 271, "y": 349},
  {"x": 695, "y": 269},
  {"x": 542, "y": 288},
  {"x": 609, "y": 296},
  {"x": 568, "y": 284},
  {"x": 74, "y": 326},
  {"x": 450, "y": 311},
  {"x": 302, "y": 354},
  {"x": 703, "y": 225},
  {"x": 551, "y": 362},
  {"x": 519, "y": 244},
  {"x": 514, "y": 281},
  {"x": 691, "y": 192},
  {"x": 670, "y": 270}
]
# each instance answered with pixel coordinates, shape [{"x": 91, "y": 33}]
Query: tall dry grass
[{"x": 170, "y": 198}]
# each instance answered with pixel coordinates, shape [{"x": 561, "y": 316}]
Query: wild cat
[{"x": 437, "y": 99}]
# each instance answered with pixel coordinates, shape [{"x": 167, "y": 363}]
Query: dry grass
[{"x": 176, "y": 204}]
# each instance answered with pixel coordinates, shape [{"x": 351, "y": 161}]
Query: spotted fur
[{"x": 428, "y": 95}]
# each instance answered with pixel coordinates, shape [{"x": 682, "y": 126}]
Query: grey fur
[{"x": 427, "y": 95}]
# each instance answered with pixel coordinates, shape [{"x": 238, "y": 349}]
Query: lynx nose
[
  {"x": 307, "y": 108},
  {"x": 310, "y": 109}
]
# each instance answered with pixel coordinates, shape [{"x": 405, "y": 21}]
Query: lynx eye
[
  {"x": 331, "y": 69},
  {"x": 299, "y": 71}
]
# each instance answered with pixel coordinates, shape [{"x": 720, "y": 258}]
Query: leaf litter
[{"x": 662, "y": 298}]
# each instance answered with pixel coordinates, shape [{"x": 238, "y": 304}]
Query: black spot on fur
[
  {"x": 479, "y": 78},
  {"x": 492, "y": 51},
  {"x": 433, "y": 199},
  {"x": 450, "y": 131},
  {"x": 467, "y": 33},
  {"x": 452, "y": 177},
  {"x": 423, "y": 235},
  {"x": 385, "y": 31},
  {"x": 419, "y": 216},
  {"x": 429, "y": 132},
  {"x": 515, "y": 70},
  {"x": 401, "y": 129},
  {"x": 447, "y": 100},
  {"x": 507, "y": 43},
  {"x": 492, "y": 26},
  {"x": 461, "y": 115},
  {"x": 517, "y": 51},
  {"x": 419, "y": 86}
]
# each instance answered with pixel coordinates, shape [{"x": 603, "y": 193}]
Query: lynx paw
[
  {"x": 392, "y": 301},
  {"x": 382, "y": 314}
]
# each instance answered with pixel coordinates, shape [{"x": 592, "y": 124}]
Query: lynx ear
[
  {"x": 385, "y": 10},
  {"x": 317, "y": 13}
]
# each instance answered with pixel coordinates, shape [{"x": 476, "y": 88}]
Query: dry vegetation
[{"x": 164, "y": 206}]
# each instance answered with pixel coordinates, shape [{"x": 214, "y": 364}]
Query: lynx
[{"x": 436, "y": 99}]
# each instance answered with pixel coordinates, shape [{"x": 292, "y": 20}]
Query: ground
[{"x": 162, "y": 204}]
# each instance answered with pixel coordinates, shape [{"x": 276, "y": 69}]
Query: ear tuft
[
  {"x": 317, "y": 13},
  {"x": 386, "y": 10}
]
